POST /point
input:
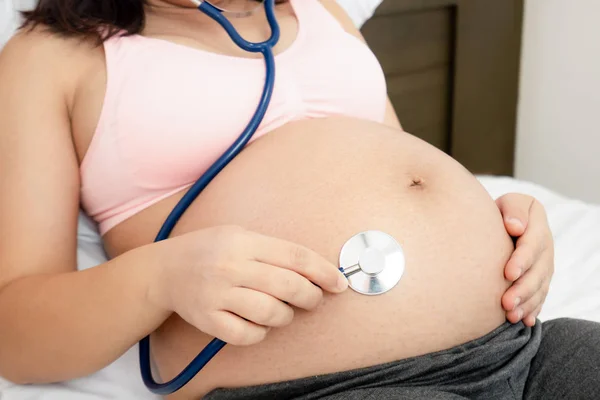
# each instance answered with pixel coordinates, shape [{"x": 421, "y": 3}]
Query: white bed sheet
[
  {"x": 575, "y": 287},
  {"x": 575, "y": 290}
]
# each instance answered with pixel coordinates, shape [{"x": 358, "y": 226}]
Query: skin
[
  {"x": 38, "y": 289},
  {"x": 532, "y": 265}
]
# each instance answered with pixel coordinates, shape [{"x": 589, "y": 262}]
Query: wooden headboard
[{"x": 452, "y": 68}]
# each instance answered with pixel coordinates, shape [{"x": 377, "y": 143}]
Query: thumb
[{"x": 515, "y": 208}]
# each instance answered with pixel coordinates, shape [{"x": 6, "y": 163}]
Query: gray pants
[{"x": 558, "y": 359}]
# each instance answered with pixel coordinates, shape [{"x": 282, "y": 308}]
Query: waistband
[{"x": 473, "y": 370}]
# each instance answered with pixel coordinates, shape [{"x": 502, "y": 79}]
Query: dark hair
[{"x": 99, "y": 18}]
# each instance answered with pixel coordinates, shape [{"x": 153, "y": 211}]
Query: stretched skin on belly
[{"x": 318, "y": 183}]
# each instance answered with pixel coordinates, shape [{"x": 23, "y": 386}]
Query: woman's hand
[
  {"x": 235, "y": 285},
  {"x": 532, "y": 264}
]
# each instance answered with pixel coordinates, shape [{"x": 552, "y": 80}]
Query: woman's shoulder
[
  {"x": 36, "y": 43},
  {"x": 34, "y": 51}
]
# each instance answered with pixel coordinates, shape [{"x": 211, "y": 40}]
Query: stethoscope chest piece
[{"x": 373, "y": 262}]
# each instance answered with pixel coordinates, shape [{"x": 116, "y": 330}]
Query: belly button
[{"x": 417, "y": 182}]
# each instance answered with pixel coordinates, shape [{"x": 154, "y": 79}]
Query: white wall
[{"x": 558, "y": 139}]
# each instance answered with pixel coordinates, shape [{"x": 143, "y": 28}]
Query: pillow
[
  {"x": 90, "y": 251},
  {"x": 8, "y": 21}
]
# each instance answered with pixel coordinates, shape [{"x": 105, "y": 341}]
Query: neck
[
  {"x": 171, "y": 4},
  {"x": 179, "y": 10}
]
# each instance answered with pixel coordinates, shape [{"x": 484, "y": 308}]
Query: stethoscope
[{"x": 372, "y": 261}]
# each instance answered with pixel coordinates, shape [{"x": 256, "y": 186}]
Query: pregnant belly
[{"x": 318, "y": 183}]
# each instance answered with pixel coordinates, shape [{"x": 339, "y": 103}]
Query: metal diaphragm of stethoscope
[{"x": 372, "y": 261}]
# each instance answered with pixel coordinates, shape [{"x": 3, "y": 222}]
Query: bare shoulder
[{"x": 39, "y": 56}]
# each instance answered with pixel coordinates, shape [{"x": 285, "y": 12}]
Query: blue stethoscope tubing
[{"x": 266, "y": 49}]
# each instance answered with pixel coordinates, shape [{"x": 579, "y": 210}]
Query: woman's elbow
[
  {"x": 19, "y": 367},
  {"x": 14, "y": 374}
]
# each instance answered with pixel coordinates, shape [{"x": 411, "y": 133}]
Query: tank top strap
[
  {"x": 315, "y": 14},
  {"x": 119, "y": 59}
]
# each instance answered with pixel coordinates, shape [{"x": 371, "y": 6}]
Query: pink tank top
[{"x": 170, "y": 111}]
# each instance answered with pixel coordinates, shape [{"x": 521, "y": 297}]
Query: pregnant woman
[{"x": 123, "y": 128}]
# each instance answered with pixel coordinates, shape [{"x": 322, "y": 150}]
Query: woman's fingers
[
  {"x": 234, "y": 330},
  {"x": 522, "y": 291},
  {"x": 299, "y": 259},
  {"x": 515, "y": 208},
  {"x": 520, "y": 261},
  {"x": 531, "y": 265},
  {"x": 530, "y": 319},
  {"x": 538, "y": 236},
  {"x": 258, "y": 307},
  {"x": 283, "y": 284},
  {"x": 526, "y": 307}
]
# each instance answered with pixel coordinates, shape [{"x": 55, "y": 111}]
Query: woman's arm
[
  {"x": 59, "y": 326},
  {"x": 391, "y": 119},
  {"x": 56, "y": 323}
]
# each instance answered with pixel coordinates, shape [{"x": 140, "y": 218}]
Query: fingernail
[
  {"x": 515, "y": 221},
  {"x": 517, "y": 302},
  {"x": 520, "y": 314},
  {"x": 519, "y": 272},
  {"x": 342, "y": 283}
]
